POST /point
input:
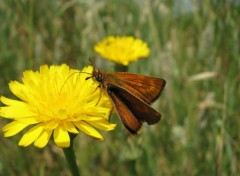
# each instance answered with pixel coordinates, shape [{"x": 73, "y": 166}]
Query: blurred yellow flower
[
  {"x": 55, "y": 101},
  {"x": 122, "y": 50}
]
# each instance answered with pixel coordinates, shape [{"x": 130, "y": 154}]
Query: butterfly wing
[
  {"x": 145, "y": 88},
  {"x": 132, "y": 110},
  {"x": 129, "y": 120}
]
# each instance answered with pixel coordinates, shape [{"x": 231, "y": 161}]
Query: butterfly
[{"x": 131, "y": 96}]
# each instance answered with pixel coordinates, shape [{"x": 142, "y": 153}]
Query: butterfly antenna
[
  {"x": 70, "y": 77},
  {"x": 92, "y": 63}
]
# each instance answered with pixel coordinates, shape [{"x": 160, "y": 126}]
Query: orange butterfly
[{"x": 131, "y": 95}]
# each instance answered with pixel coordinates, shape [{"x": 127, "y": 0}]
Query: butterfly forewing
[{"x": 145, "y": 88}]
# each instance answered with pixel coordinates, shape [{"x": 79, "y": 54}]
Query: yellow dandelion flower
[
  {"x": 55, "y": 101},
  {"x": 122, "y": 50}
]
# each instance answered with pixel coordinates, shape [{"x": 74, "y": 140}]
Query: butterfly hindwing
[
  {"x": 129, "y": 106},
  {"x": 129, "y": 120}
]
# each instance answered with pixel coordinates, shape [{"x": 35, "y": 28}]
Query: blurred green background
[{"x": 194, "y": 46}]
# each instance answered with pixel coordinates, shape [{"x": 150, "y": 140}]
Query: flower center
[{"x": 62, "y": 114}]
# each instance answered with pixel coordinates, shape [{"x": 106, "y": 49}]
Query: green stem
[
  {"x": 120, "y": 68},
  {"x": 30, "y": 32},
  {"x": 71, "y": 158}
]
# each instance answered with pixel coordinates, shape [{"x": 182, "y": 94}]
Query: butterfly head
[{"x": 97, "y": 74}]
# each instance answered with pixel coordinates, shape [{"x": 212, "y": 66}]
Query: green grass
[{"x": 199, "y": 131}]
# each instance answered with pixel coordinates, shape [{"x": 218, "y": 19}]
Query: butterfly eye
[{"x": 99, "y": 78}]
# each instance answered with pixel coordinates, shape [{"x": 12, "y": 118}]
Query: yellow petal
[
  {"x": 30, "y": 79},
  {"x": 101, "y": 111},
  {"x": 70, "y": 127},
  {"x": 86, "y": 128},
  {"x": 13, "y": 112},
  {"x": 11, "y": 102},
  {"x": 87, "y": 118},
  {"x": 51, "y": 124},
  {"x": 28, "y": 120},
  {"x": 61, "y": 137},
  {"x": 13, "y": 128},
  {"x": 45, "y": 70},
  {"x": 20, "y": 90},
  {"x": 43, "y": 139},
  {"x": 103, "y": 125},
  {"x": 31, "y": 135}
]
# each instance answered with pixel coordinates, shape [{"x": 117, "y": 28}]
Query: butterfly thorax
[{"x": 105, "y": 79}]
